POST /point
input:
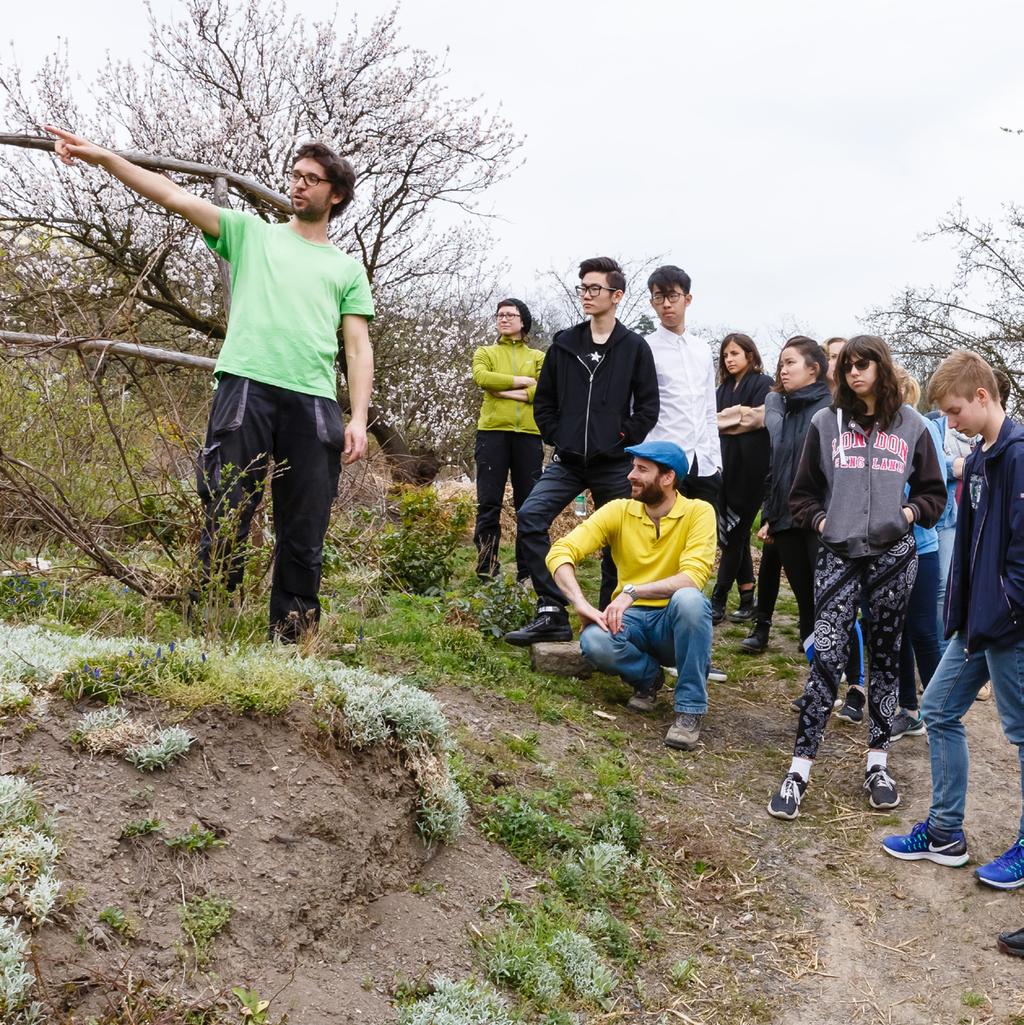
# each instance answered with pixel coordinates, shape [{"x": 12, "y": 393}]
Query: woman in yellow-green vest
[{"x": 507, "y": 439}]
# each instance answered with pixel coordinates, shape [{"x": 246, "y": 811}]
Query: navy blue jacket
[{"x": 996, "y": 565}]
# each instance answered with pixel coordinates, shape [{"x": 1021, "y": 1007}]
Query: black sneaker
[
  {"x": 799, "y": 703},
  {"x": 853, "y": 706},
  {"x": 785, "y": 804},
  {"x": 717, "y": 612},
  {"x": 747, "y": 609},
  {"x": 1012, "y": 943},
  {"x": 881, "y": 788},
  {"x": 758, "y": 639},
  {"x": 551, "y": 624},
  {"x": 645, "y": 700}
]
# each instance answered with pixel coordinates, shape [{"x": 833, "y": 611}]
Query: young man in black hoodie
[{"x": 597, "y": 393}]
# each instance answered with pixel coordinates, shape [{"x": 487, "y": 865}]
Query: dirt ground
[{"x": 337, "y": 902}]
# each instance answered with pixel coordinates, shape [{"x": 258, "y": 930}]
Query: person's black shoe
[
  {"x": 758, "y": 639},
  {"x": 551, "y": 624},
  {"x": 747, "y": 609},
  {"x": 1012, "y": 943},
  {"x": 717, "y": 612},
  {"x": 853, "y": 707}
]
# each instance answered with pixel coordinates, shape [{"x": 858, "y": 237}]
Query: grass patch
[{"x": 202, "y": 920}]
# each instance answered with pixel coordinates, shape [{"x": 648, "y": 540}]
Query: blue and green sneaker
[
  {"x": 926, "y": 843},
  {"x": 1007, "y": 871}
]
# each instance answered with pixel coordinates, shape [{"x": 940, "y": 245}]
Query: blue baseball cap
[{"x": 665, "y": 453}]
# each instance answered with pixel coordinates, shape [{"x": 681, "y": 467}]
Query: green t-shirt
[{"x": 287, "y": 299}]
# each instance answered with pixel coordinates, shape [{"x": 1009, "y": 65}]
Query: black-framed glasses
[
  {"x": 669, "y": 297},
  {"x": 507, "y": 315},
  {"x": 593, "y": 291},
  {"x": 860, "y": 364},
  {"x": 310, "y": 180}
]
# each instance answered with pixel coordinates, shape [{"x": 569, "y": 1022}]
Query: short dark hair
[
  {"x": 667, "y": 276},
  {"x": 747, "y": 344},
  {"x": 337, "y": 170},
  {"x": 813, "y": 354},
  {"x": 608, "y": 267}
]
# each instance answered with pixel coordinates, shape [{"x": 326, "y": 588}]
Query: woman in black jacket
[
  {"x": 802, "y": 390},
  {"x": 746, "y": 459}
]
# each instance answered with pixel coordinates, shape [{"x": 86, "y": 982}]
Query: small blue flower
[
  {"x": 170, "y": 647},
  {"x": 158, "y": 655}
]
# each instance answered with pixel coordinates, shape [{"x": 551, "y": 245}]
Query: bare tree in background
[
  {"x": 241, "y": 87},
  {"x": 982, "y": 310}
]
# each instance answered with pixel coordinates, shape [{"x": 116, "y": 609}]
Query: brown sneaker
[{"x": 684, "y": 732}]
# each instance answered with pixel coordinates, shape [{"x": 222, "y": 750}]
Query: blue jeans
[
  {"x": 951, "y": 692},
  {"x": 946, "y": 536},
  {"x": 678, "y": 634}
]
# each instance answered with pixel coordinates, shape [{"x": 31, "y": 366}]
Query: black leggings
[
  {"x": 884, "y": 582},
  {"x": 798, "y": 550},
  {"x": 769, "y": 576}
]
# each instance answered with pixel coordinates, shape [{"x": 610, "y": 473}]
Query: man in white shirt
[{"x": 686, "y": 383}]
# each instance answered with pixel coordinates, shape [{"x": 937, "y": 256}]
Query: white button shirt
[{"x": 689, "y": 411}]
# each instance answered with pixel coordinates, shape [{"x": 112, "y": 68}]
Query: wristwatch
[{"x": 629, "y": 589}]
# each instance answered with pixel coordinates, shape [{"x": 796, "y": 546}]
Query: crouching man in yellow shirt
[{"x": 663, "y": 546}]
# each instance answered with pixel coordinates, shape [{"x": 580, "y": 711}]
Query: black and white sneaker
[
  {"x": 853, "y": 707},
  {"x": 717, "y": 675},
  {"x": 881, "y": 788},
  {"x": 551, "y": 624},
  {"x": 906, "y": 724},
  {"x": 785, "y": 804}
]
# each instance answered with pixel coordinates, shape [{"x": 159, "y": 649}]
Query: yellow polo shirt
[{"x": 684, "y": 542}]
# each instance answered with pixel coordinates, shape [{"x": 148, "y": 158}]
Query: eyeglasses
[
  {"x": 670, "y": 297},
  {"x": 860, "y": 364},
  {"x": 310, "y": 180},
  {"x": 593, "y": 291},
  {"x": 508, "y": 316}
]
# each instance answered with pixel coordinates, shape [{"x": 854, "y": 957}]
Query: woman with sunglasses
[
  {"x": 859, "y": 457},
  {"x": 507, "y": 438},
  {"x": 746, "y": 456}
]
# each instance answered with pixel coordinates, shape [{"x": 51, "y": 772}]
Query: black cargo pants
[{"x": 250, "y": 424}]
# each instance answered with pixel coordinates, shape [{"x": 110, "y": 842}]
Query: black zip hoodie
[{"x": 589, "y": 410}]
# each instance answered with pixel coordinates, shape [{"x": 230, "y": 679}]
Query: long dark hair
[
  {"x": 888, "y": 393},
  {"x": 812, "y": 352},
  {"x": 746, "y": 343}
]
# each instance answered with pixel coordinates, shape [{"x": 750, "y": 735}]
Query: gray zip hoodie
[{"x": 855, "y": 481}]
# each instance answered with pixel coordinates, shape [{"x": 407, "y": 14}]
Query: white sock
[
  {"x": 877, "y": 759},
  {"x": 802, "y": 767}
]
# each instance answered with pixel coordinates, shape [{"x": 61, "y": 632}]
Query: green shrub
[{"x": 419, "y": 555}]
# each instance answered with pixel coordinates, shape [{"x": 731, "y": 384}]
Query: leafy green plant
[
  {"x": 252, "y": 1009},
  {"x": 526, "y": 830},
  {"x": 501, "y": 605},
  {"x": 682, "y": 971},
  {"x": 202, "y": 919},
  {"x": 139, "y": 827},
  {"x": 195, "y": 840},
  {"x": 118, "y": 921},
  {"x": 419, "y": 555}
]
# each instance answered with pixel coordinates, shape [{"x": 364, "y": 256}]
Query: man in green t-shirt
[{"x": 291, "y": 290}]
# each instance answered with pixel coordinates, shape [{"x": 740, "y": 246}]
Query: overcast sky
[{"x": 787, "y": 155}]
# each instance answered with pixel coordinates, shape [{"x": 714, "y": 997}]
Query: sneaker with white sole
[
  {"x": 906, "y": 724},
  {"x": 853, "y": 707},
  {"x": 785, "y": 802},
  {"x": 717, "y": 675},
  {"x": 881, "y": 788},
  {"x": 926, "y": 843},
  {"x": 1007, "y": 871}
]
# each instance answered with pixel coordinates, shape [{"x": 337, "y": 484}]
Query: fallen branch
[{"x": 47, "y": 343}]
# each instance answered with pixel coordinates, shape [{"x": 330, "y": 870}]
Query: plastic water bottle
[{"x": 579, "y": 505}]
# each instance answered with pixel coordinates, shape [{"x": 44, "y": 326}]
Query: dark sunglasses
[{"x": 860, "y": 364}]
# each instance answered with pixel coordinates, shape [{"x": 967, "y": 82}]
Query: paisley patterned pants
[{"x": 884, "y": 583}]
